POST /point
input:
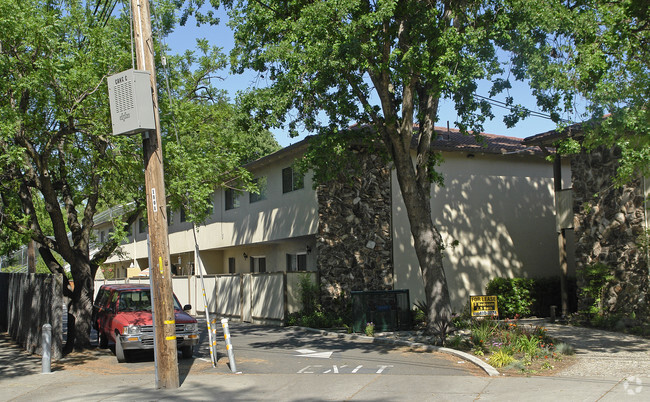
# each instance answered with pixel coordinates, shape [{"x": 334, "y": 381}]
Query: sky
[{"x": 184, "y": 38}]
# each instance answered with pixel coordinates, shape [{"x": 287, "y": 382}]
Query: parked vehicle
[{"x": 122, "y": 315}]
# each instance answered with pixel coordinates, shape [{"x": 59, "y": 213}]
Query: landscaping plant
[{"x": 513, "y": 296}]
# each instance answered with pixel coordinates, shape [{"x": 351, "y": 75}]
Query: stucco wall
[
  {"x": 500, "y": 209},
  {"x": 282, "y": 223}
]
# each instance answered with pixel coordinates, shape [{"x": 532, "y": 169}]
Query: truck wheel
[
  {"x": 103, "y": 340},
  {"x": 187, "y": 352},
  {"x": 119, "y": 352}
]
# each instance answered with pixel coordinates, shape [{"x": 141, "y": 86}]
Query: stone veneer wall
[
  {"x": 354, "y": 238},
  {"x": 608, "y": 230}
]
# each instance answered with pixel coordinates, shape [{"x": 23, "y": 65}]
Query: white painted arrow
[{"x": 313, "y": 353}]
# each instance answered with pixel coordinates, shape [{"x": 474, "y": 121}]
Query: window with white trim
[
  {"x": 292, "y": 180},
  {"x": 297, "y": 262},
  {"x": 260, "y": 182},
  {"x": 258, "y": 264},
  {"x": 232, "y": 199}
]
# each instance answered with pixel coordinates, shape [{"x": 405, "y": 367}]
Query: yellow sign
[{"x": 482, "y": 306}]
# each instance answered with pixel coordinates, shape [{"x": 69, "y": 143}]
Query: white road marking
[
  {"x": 381, "y": 369},
  {"x": 314, "y": 368},
  {"x": 335, "y": 369},
  {"x": 304, "y": 370},
  {"x": 313, "y": 353}
]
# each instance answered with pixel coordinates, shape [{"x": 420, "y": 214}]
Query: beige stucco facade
[
  {"x": 500, "y": 210},
  {"x": 498, "y": 207},
  {"x": 270, "y": 228}
]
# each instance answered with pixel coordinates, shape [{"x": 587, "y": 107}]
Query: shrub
[
  {"x": 420, "y": 313},
  {"x": 500, "y": 359},
  {"x": 528, "y": 346},
  {"x": 482, "y": 331},
  {"x": 456, "y": 342},
  {"x": 513, "y": 296},
  {"x": 309, "y": 293},
  {"x": 565, "y": 349},
  {"x": 594, "y": 280},
  {"x": 370, "y": 329}
]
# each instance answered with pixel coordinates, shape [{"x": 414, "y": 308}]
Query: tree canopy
[
  {"x": 600, "y": 60},
  {"x": 59, "y": 163}
]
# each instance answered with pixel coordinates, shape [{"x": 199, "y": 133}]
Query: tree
[
  {"x": 598, "y": 63},
  {"x": 387, "y": 64},
  {"x": 207, "y": 139},
  {"x": 59, "y": 165}
]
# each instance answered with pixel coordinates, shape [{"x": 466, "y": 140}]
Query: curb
[{"x": 491, "y": 371}]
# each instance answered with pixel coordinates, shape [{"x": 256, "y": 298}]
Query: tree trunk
[
  {"x": 428, "y": 244},
  {"x": 80, "y": 308}
]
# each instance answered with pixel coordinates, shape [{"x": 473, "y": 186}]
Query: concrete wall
[{"x": 501, "y": 211}]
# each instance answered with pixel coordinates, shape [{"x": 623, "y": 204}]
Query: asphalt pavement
[{"x": 289, "y": 364}]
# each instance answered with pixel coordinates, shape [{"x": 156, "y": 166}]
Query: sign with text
[{"x": 483, "y": 306}]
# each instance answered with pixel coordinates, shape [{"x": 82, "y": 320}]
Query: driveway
[{"x": 277, "y": 350}]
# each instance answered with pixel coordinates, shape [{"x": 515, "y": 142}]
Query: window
[
  {"x": 260, "y": 182},
  {"x": 170, "y": 217},
  {"x": 297, "y": 262},
  {"x": 210, "y": 206},
  {"x": 183, "y": 217},
  {"x": 142, "y": 225},
  {"x": 102, "y": 236},
  {"x": 231, "y": 265},
  {"x": 258, "y": 264},
  {"x": 291, "y": 180},
  {"x": 232, "y": 199}
]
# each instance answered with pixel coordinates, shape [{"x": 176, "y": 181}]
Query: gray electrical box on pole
[{"x": 129, "y": 94}]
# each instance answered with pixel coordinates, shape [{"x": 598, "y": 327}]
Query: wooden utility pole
[{"x": 160, "y": 267}]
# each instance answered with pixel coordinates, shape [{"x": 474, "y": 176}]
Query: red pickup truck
[{"x": 122, "y": 315}]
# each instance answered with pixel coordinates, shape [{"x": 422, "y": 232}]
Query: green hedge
[
  {"x": 526, "y": 297},
  {"x": 513, "y": 296}
]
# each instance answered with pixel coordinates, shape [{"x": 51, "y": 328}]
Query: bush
[
  {"x": 316, "y": 319},
  {"x": 565, "y": 349},
  {"x": 513, "y": 296},
  {"x": 594, "y": 281},
  {"x": 482, "y": 331},
  {"x": 309, "y": 294},
  {"x": 312, "y": 314},
  {"x": 500, "y": 358}
]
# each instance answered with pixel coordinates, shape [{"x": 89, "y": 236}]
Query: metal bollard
[
  {"x": 46, "y": 342},
  {"x": 553, "y": 313},
  {"x": 226, "y": 336}
]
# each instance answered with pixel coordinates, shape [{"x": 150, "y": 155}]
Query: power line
[{"x": 504, "y": 105}]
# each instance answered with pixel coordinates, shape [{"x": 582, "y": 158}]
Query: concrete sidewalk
[
  {"x": 601, "y": 353},
  {"x": 85, "y": 377}
]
